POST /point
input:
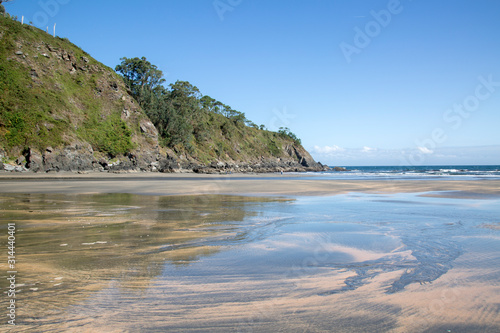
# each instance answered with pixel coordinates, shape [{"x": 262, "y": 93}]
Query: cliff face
[{"x": 61, "y": 110}]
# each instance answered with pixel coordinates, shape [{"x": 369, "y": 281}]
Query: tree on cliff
[
  {"x": 285, "y": 132},
  {"x": 144, "y": 80},
  {"x": 173, "y": 111},
  {"x": 141, "y": 77},
  {"x": 183, "y": 117},
  {"x": 182, "y": 110}
]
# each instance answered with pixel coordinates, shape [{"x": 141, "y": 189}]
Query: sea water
[
  {"x": 344, "y": 263},
  {"x": 414, "y": 172}
]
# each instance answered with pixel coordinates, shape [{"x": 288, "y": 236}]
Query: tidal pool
[{"x": 355, "y": 262}]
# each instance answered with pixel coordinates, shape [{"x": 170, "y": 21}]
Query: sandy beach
[
  {"x": 235, "y": 184},
  {"x": 260, "y": 252}
]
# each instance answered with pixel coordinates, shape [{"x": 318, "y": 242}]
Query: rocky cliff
[{"x": 61, "y": 110}]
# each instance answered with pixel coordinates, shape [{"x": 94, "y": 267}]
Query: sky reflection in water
[{"x": 226, "y": 262}]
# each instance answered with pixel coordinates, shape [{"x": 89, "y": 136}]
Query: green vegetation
[
  {"x": 285, "y": 132},
  {"x": 53, "y": 94},
  {"x": 44, "y": 103},
  {"x": 18, "y": 121},
  {"x": 189, "y": 121},
  {"x": 111, "y": 136}
]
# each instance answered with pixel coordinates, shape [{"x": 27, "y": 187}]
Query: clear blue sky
[{"x": 359, "y": 87}]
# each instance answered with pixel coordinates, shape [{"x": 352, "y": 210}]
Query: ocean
[{"x": 416, "y": 172}]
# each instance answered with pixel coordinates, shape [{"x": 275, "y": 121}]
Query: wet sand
[
  {"x": 242, "y": 184},
  {"x": 299, "y": 254}
]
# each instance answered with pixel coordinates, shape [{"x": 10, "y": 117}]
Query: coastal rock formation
[{"x": 80, "y": 157}]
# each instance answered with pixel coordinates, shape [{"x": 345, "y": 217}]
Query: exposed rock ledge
[{"x": 80, "y": 157}]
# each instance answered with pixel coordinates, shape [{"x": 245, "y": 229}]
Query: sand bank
[{"x": 241, "y": 184}]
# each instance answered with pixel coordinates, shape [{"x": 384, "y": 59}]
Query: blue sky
[{"x": 360, "y": 82}]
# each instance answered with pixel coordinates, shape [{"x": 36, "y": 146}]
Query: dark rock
[
  {"x": 305, "y": 159},
  {"x": 79, "y": 157},
  {"x": 34, "y": 160},
  {"x": 185, "y": 165},
  {"x": 168, "y": 164},
  {"x": 126, "y": 164},
  {"x": 97, "y": 166},
  {"x": 269, "y": 165},
  {"x": 144, "y": 160},
  {"x": 76, "y": 157}
]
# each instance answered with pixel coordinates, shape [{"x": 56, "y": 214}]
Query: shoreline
[{"x": 266, "y": 184}]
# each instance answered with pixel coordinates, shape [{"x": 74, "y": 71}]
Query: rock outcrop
[{"x": 80, "y": 157}]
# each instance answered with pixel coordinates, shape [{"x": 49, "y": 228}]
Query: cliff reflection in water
[
  {"x": 353, "y": 262},
  {"x": 71, "y": 246}
]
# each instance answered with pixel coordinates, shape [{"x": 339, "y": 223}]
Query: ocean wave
[{"x": 414, "y": 172}]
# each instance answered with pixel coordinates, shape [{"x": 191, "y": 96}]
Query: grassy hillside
[
  {"x": 213, "y": 136},
  {"x": 196, "y": 124},
  {"x": 53, "y": 95}
]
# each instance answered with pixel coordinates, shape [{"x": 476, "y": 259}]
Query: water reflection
[
  {"x": 71, "y": 246},
  {"x": 124, "y": 262}
]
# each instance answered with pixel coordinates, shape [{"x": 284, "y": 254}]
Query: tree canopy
[
  {"x": 141, "y": 77},
  {"x": 285, "y": 131},
  {"x": 180, "y": 112}
]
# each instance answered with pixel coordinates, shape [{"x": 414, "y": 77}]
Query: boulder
[
  {"x": 154, "y": 166},
  {"x": 75, "y": 157},
  {"x": 168, "y": 164},
  {"x": 148, "y": 129},
  {"x": 34, "y": 160},
  {"x": 145, "y": 158},
  {"x": 125, "y": 164},
  {"x": 12, "y": 168},
  {"x": 8, "y": 167}
]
